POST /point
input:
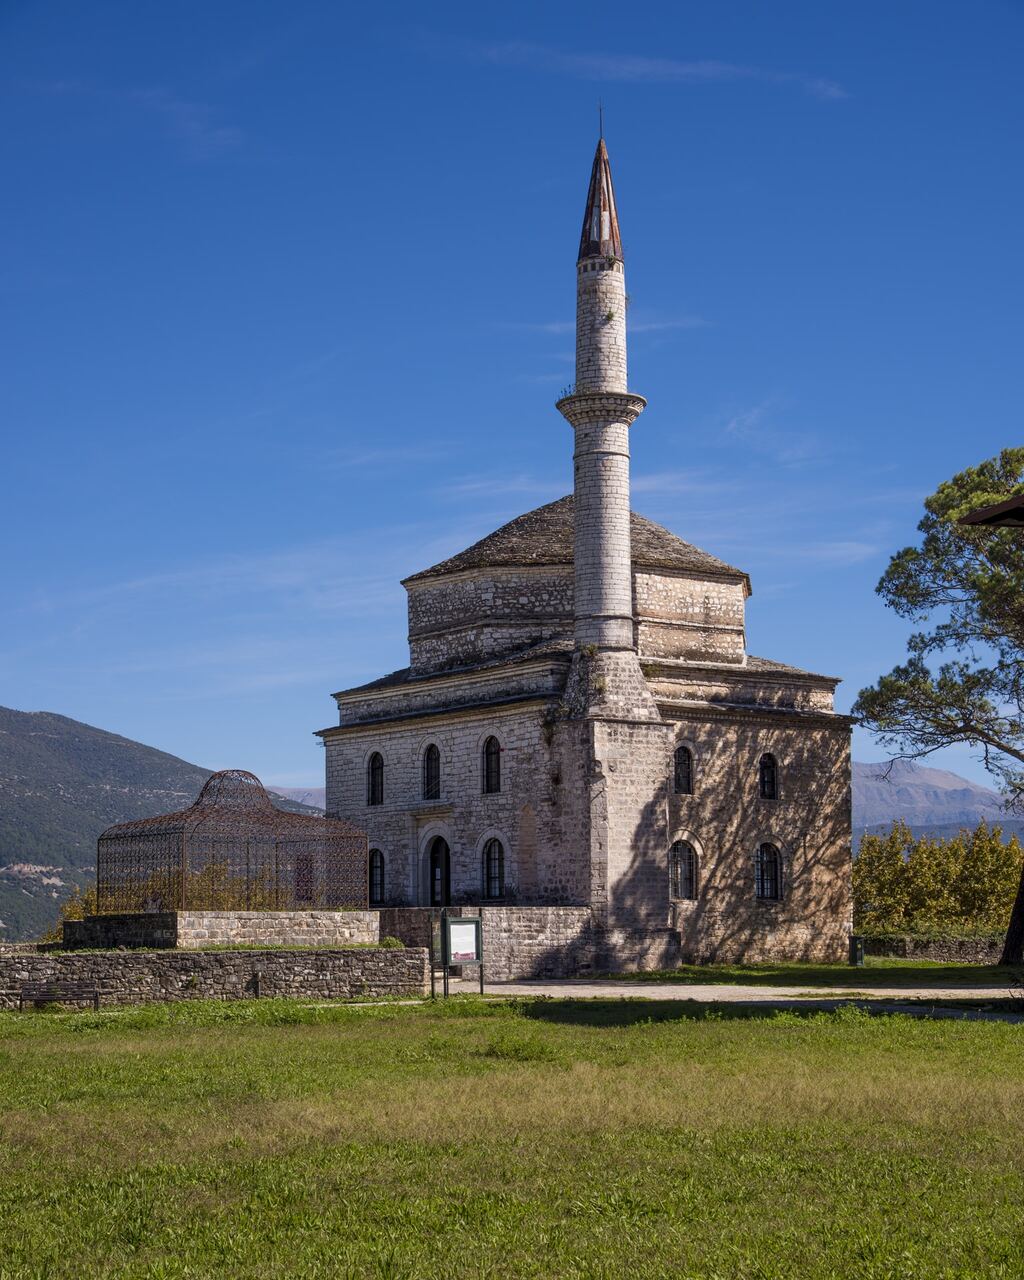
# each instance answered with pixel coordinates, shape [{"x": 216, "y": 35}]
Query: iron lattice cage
[{"x": 231, "y": 851}]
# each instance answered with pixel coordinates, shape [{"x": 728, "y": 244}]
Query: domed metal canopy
[{"x": 232, "y": 850}]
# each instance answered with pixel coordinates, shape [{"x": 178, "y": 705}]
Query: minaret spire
[
  {"x": 600, "y": 236},
  {"x": 601, "y": 411}
]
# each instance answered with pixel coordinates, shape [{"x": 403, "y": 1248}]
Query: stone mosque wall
[{"x": 690, "y": 618}]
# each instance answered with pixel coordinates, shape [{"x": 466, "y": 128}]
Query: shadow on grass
[
  {"x": 629, "y": 1013},
  {"x": 876, "y": 976}
]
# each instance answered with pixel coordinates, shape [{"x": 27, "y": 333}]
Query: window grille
[
  {"x": 494, "y": 869},
  {"x": 683, "y": 870},
  {"x": 768, "y": 872},
  {"x": 768, "y": 778},
  {"x": 376, "y": 878},
  {"x": 684, "y": 772},
  {"x": 375, "y": 779},
  {"x": 432, "y": 773},
  {"x": 492, "y": 767},
  {"x": 440, "y": 873}
]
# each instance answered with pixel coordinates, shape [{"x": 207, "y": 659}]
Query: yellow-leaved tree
[{"x": 903, "y": 884}]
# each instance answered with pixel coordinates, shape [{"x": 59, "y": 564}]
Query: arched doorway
[{"x": 440, "y": 872}]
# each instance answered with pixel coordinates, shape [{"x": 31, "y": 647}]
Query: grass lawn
[
  {"x": 878, "y": 973},
  {"x": 541, "y": 1138}
]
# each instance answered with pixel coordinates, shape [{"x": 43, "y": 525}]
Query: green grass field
[{"x": 544, "y": 1138}]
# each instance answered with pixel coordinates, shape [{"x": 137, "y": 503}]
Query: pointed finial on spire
[{"x": 600, "y": 238}]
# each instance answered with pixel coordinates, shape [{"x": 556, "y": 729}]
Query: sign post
[{"x": 462, "y": 942}]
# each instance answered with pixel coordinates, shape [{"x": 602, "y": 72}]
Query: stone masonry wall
[
  {"x": 726, "y": 820},
  {"x": 579, "y": 832},
  {"x": 681, "y": 616},
  {"x": 192, "y": 929},
  {"x": 945, "y": 950},
  {"x": 521, "y": 815},
  {"x": 543, "y": 677},
  {"x": 603, "y": 587},
  {"x": 545, "y": 942},
  {"x": 126, "y": 977},
  {"x": 600, "y": 326},
  {"x": 465, "y": 618},
  {"x": 740, "y": 687}
]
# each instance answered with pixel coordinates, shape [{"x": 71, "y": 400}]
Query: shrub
[{"x": 77, "y": 906}]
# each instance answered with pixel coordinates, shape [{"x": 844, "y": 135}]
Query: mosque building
[{"x": 581, "y": 727}]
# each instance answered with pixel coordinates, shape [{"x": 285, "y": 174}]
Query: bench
[{"x": 58, "y": 993}]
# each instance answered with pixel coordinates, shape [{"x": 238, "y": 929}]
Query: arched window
[
  {"x": 768, "y": 778},
  {"x": 684, "y": 772},
  {"x": 376, "y": 878},
  {"x": 682, "y": 870},
  {"x": 492, "y": 767},
  {"x": 494, "y": 869},
  {"x": 432, "y": 773},
  {"x": 768, "y": 873},
  {"x": 375, "y": 779}
]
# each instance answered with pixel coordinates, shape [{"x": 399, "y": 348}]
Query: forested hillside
[{"x": 61, "y": 784}]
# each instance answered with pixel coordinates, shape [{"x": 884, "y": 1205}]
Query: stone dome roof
[{"x": 545, "y": 537}]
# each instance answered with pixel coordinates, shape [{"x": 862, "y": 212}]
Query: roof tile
[{"x": 544, "y": 536}]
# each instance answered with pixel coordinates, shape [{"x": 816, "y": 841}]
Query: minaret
[{"x": 601, "y": 411}]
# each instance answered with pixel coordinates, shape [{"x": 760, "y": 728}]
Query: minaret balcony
[{"x": 595, "y": 408}]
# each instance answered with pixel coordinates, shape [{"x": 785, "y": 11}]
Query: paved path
[{"x": 590, "y": 988}]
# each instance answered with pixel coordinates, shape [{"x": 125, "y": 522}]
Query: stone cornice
[
  {"x": 666, "y": 669},
  {"x": 523, "y": 703},
  {"x": 747, "y": 714},
  {"x": 517, "y": 620},
  {"x": 444, "y": 679},
  {"x": 665, "y": 620}
]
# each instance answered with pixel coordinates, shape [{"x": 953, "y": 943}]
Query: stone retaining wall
[
  {"x": 197, "y": 929},
  {"x": 140, "y": 977},
  {"x": 947, "y": 950},
  {"x": 545, "y": 942}
]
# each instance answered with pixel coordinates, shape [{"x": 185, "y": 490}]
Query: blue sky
[{"x": 289, "y": 293}]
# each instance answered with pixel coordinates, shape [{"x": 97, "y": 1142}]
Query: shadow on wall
[{"x": 809, "y": 824}]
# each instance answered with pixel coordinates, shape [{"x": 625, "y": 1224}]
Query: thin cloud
[
  {"x": 489, "y": 485},
  {"x": 640, "y": 69},
  {"x": 785, "y": 446},
  {"x": 680, "y": 482},
  {"x": 191, "y": 123},
  {"x": 659, "y": 326},
  {"x": 653, "y": 325},
  {"x": 841, "y": 552},
  {"x": 540, "y": 326},
  {"x": 389, "y": 457}
]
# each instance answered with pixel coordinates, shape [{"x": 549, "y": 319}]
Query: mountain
[
  {"x": 61, "y": 784},
  {"x": 315, "y": 797},
  {"x": 920, "y": 796}
]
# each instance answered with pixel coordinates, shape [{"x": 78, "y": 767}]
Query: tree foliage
[
  {"x": 903, "y": 884},
  {"x": 79, "y": 904},
  {"x": 967, "y": 584}
]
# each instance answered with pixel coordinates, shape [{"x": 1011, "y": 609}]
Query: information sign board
[{"x": 463, "y": 940}]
